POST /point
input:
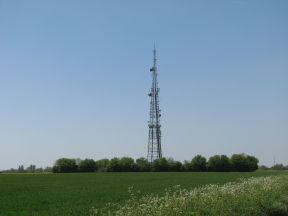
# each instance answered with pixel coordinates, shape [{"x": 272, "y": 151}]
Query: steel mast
[{"x": 154, "y": 139}]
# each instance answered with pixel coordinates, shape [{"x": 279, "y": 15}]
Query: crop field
[{"x": 76, "y": 194}]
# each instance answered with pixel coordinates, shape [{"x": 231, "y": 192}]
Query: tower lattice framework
[{"x": 154, "y": 139}]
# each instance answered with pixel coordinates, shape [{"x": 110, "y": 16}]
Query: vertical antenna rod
[{"x": 154, "y": 138}]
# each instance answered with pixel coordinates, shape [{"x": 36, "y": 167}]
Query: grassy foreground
[
  {"x": 252, "y": 196},
  {"x": 75, "y": 194}
]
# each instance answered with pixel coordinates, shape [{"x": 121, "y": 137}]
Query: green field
[{"x": 75, "y": 194}]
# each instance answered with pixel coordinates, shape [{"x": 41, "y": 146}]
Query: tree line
[
  {"x": 30, "y": 169},
  {"x": 279, "y": 167},
  {"x": 216, "y": 163}
]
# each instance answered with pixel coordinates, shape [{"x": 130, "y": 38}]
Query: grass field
[{"x": 74, "y": 194}]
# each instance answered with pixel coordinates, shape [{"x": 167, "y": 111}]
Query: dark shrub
[
  {"x": 114, "y": 165},
  {"x": 102, "y": 165},
  {"x": 198, "y": 163},
  {"x": 174, "y": 166},
  {"x": 127, "y": 164},
  {"x": 219, "y": 163},
  {"x": 160, "y": 165},
  {"x": 142, "y": 165},
  {"x": 240, "y": 163},
  {"x": 87, "y": 165},
  {"x": 65, "y": 165}
]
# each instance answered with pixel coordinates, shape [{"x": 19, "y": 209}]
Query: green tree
[
  {"x": 142, "y": 165},
  {"x": 240, "y": 163},
  {"x": 46, "y": 169},
  {"x": 114, "y": 165},
  {"x": 278, "y": 167},
  {"x": 174, "y": 166},
  {"x": 160, "y": 165},
  {"x": 31, "y": 168},
  {"x": 252, "y": 162},
  {"x": 186, "y": 166},
  {"x": 21, "y": 169},
  {"x": 127, "y": 164},
  {"x": 198, "y": 163},
  {"x": 219, "y": 163},
  {"x": 65, "y": 165},
  {"x": 102, "y": 165},
  {"x": 87, "y": 165}
]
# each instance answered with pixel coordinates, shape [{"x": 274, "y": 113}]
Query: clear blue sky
[{"x": 74, "y": 78}]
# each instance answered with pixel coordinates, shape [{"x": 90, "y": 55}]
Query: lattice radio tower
[{"x": 154, "y": 139}]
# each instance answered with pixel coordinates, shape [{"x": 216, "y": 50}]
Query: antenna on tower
[{"x": 154, "y": 137}]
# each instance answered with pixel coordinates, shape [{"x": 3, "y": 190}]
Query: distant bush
[
  {"x": 263, "y": 167},
  {"x": 279, "y": 167},
  {"x": 252, "y": 162},
  {"x": 127, "y": 164},
  {"x": 160, "y": 165},
  {"x": 102, "y": 165},
  {"x": 142, "y": 165},
  {"x": 174, "y": 166},
  {"x": 244, "y": 163},
  {"x": 219, "y": 163},
  {"x": 198, "y": 164},
  {"x": 87, "y": 165},
  {"x": 114, "y": 165},
  {"x": 186, "y": 166},
  {"x": 216, "y": 163},
  {"x": 65, "y": 165}
]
